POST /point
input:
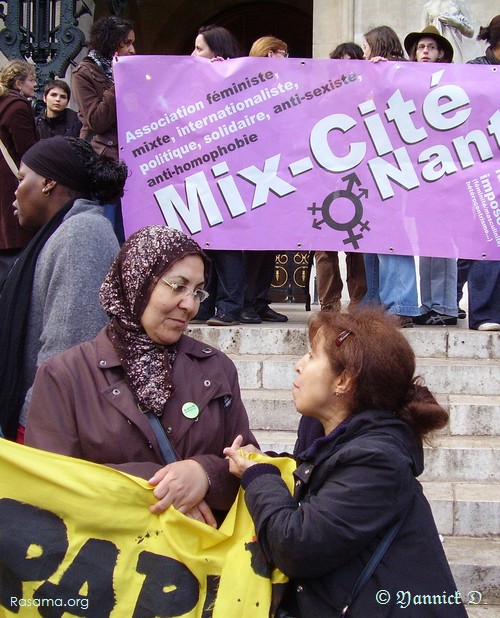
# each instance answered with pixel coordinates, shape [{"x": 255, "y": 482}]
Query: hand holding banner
[{"x": 77, "y": 538}]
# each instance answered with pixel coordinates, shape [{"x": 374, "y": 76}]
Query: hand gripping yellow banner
[{"x": 78, "y": 539}]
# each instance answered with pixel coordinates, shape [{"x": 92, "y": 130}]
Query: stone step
[
  {"x": 291, "y": 339},
  {"x": 460, "y": 376},
  {"x": 459, "y": 459},
  {"x": 473, "y": 415},
  {"x": 465, "y": 509},
  {"x": 475, "y": 564},
  {"x": 476, "y": 415}
]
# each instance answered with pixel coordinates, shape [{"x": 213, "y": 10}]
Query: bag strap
[
  {"x": 8, "y": 159},
  {"x": 372, "y": 564},
  {"x": 163, "y": 442}
]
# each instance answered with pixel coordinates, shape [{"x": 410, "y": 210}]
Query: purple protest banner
[{"x": 252, "y": 153}]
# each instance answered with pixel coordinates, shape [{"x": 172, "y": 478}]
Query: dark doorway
[
  {"x": 170, "y": 27},
  {"x": 250, "y": 21}
]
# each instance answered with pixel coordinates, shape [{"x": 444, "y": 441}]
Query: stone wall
[{"x": 338, "y": 21}]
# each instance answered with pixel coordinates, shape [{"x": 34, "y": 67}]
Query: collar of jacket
[
  {"x": 369, "y": 423},
  {"x": 108, "y": 358}
]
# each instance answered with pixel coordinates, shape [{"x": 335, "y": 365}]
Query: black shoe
[
  {"x": 222, "y": 319},
  {"x": 270, "y": 315},
  {"x": 250, "y": 317},
  {"x": 462, "y": 314},
  {"x": 433, "y": 318}
]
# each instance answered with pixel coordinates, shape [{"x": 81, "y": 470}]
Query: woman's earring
[{"x": 46, "y": 191}]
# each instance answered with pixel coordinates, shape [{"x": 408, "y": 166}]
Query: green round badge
[{"x": 190, "y": 410}]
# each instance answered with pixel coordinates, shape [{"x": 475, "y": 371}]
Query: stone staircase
[{"x": 462, "y": 474}]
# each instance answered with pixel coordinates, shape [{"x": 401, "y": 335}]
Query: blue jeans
[
  {"x": 391, "y": 281},
  {"x": 225, "y": 285},
  {"x": 484, "y": 292},
  {"x": 438, "y": 285}
]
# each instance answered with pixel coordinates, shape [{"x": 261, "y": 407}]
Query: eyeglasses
[
  {"x": 282, "y": 52},
  {"x": 430, "y": 46},
  {"x": 182, "y": 291}
]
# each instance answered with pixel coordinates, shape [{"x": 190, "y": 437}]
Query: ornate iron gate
[{"x": 43, "y": 31}]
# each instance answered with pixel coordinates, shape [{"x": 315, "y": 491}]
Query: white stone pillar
[{"x": 333, "y": 23}]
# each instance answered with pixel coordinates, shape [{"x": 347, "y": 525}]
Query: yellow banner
[{"x": 78, "y": 539}]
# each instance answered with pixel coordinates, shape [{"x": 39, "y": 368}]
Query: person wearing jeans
[
  {"x": 438, "y": 275},
  {"x": 484, "y": 295},
  {"x": 391, "y": 281}
]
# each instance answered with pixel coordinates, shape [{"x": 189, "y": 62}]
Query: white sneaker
[{"x": 489, "y": 326}]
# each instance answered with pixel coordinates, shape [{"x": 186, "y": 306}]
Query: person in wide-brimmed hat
[
  {"x": 438, "y": 275},
  {"x": 444, "y": 48}
]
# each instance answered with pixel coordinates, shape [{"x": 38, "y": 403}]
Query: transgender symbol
[{"x": 347, "y": 226}]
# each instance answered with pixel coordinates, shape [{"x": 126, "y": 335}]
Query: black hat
[{"x": 433, "y": 32}]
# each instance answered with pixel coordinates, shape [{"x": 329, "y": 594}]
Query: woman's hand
[
  {"x": 202, "y": 513},
  {"x": 237, "y": 463},
  {"x": 378, "y": 59},
  {"x": 185, "y": 485}
]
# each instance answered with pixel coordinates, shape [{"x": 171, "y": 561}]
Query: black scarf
[{"x": 15, "y": 301}]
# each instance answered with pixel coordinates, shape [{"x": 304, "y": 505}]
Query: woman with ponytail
[
  {"x": 50, "y": 298},
  {"x": 359, "y": 450}
]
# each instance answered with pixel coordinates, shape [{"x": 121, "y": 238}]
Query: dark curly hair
[
  {"x": 107, "y": 176},
  {"x": 353, "y": 50},
  {"x": 108, "y": 33}
]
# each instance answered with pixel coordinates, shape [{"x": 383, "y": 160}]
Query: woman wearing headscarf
[
  {"x": 17, "y": 133},
  {"x": 50, "y": 298},
  {"x": 106, "y": 399}
]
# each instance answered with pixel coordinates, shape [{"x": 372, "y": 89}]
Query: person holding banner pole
[
  {"x": 328, "y": 277},
  {"x": 226, "y": 281},
  {"x": 358, "y": 529},
  {"x": 438, "y": 276},
  {"x": 142, "y": 397},
  {"x": 260, "y": 265},
  {"x": 94, "y": 94},
  {"x": 391, "y": 280},
  {"x": 483, "y": 276}
]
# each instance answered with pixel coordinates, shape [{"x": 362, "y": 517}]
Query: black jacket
[
  {"x": 349, "y": 490},
  {"x": 488, "y": 58},
  {"x": 66, "y": 124}
]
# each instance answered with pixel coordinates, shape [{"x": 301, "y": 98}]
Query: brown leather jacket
[
  {"x": 81, "y": 406},
  {"x": 94, "y": 95}
]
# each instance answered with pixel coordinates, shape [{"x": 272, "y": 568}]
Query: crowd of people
[
  {"x": 240, "y": 281},
  {"x": 95, "y": 362}
]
